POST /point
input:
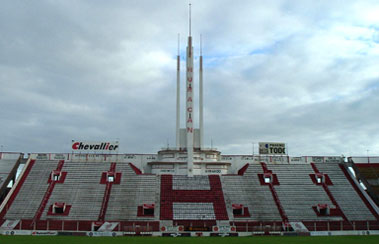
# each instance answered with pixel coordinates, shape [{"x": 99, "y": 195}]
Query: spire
[
  {"x": 189, "y": 18},
  {"x": 178, "y": 44},
  {"x": 201, "y": 47}
]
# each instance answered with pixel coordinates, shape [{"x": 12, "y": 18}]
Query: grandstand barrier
[
  {"x": 310, "y": 225},
  {"x": 257, "y": 226},
  {"x": 196, "y": 225},
  {"x": 341, "y": 225},
  {"x": 71, "y": 225},
  {"x": 136, "y": 228}
]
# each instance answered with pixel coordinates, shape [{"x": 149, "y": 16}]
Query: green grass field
[{"x": 184, "y": 240}]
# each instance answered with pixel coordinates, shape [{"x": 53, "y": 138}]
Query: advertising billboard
[
  {"x": 272, "y": 148},
  {"x": 90, "y": 146}
]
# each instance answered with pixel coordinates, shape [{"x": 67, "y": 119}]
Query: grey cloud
[{"x": 275, "y": 71}]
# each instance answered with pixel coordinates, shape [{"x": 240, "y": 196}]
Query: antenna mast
[
  {"x": 201, "y": 118},
  {"x": 178, "y": 96},
  {"x": 189, "y": 18}
]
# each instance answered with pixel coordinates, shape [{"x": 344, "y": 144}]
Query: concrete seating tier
[
  {"x": 81, "y": 189},
  {"x": 29, "y": 198},
  {"x": 133, "y": 191},
  {"x": 298, "y": 194},
  {"x": 248, "y": 191},
  {"x": 348, "y": 199}
]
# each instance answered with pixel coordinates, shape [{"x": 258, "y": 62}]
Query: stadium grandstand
[
  {"x": 267, "y": 194},
  {"x": 188, "y": 189}
]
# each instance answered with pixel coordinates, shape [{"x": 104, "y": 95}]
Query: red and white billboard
[{"x": 86, "y": 146}]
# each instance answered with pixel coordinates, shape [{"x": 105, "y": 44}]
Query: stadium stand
[{"x": 82, "y": 196}]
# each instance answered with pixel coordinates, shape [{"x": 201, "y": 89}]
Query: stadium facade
[{"x": 188, "y": 189}]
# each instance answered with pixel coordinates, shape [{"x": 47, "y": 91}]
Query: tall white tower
[
  {"x": 178, "y": 96},
  {"x": 201, "y": 119},
  {"x": 189, "y": 101},
  {"x": 189, "y": 137}
]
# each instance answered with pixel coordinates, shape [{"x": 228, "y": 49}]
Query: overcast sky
[{"x": 297, "y": 71}]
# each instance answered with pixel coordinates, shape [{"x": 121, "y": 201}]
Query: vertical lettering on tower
[{"x": 189, "y": 85}]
